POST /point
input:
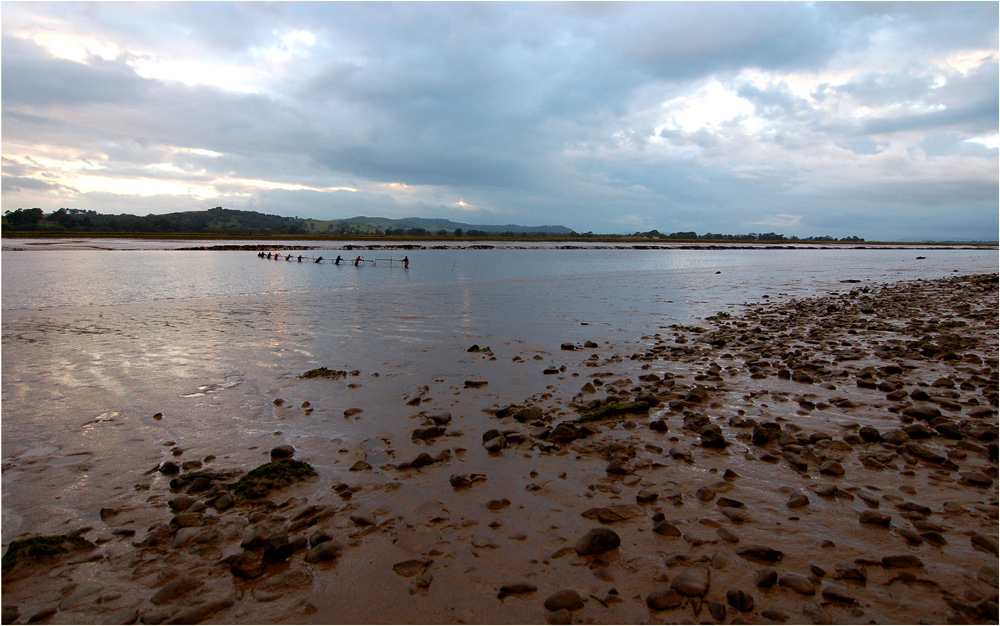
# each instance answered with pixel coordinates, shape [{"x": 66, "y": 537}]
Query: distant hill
[{"x": 235, "y": 222}]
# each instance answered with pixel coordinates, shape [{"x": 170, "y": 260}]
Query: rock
[
  {"x": 797, "y": 501},
  {"x": 173, "y": 590},
  {"x": 739, "y": 600},
  {"x": 832, "y": 468},
  {"x": 761, "y": 553},
  {"x": 362, "y": 519},
  {"x": 984, "y": 542},
  {"x": 799, "y": 583},
  {"x": 950, "y": 430},
  {"x": 663, "y": 600},
  {"x": 200, "y": 612},
  {"x": 282, "y": 452},
  {"x": 727, "y": 535},
  {"x": 618, "y": 467},
  {"x": 901, "y": 560},
  {"x": 693, "y": 582},
  {"x": 646, "y": 496},
  {"x": 597, "y": 540},
  {"x": 717, "y": 610},
  {"x": 277, "y": 548},
  {"x": 428, "y": 432},
  {"x": 765, "y": 578},
  {"x": 495, "y": 445},
  {"x": 666, "y": 529},
  {"x": 568, "y": 599},
  {"x": 324, "y": 551},
  {"x": 711, "y": 437},
  {"x": 870, "y": 434},
  {"x": 516, "y": 589},
  {"x": 223, "y": 502},
  {"x": 410, "y": 568},
  {"x": 976, "y": 477},
  {"x": 618, "y": 513},
  {"x": 774, "y": 615},
  {"x": 422, "y": 460},
  {"x": 874, "y": 518},
  {"x": 923, "y": 452},
  {"x": 559, "y": 618},
  {"x": 169, "y": 467},
  {"x": 837, "y": 593}
]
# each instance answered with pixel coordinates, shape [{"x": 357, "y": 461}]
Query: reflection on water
[{"x": 133, "y": 334}]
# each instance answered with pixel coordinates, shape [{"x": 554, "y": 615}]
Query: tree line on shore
[{"x": 220, "y": 221}]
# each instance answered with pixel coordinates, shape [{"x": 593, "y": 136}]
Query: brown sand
[{"x": 831, "y": 460}]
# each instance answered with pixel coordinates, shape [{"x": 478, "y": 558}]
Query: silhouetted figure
[
  {"x": 288, "y": 258},
  {"x": 300, "y": 258},
  {"x": 406, "y": 262},
  {"x": 356, "y": 261},
  {"x": 337, "y": 260},
  {"x": 319, "y": 260}
]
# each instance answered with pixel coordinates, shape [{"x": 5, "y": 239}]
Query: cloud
[{"x": 676, "y": 116}]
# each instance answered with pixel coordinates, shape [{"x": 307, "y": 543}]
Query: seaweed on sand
[
  {"x": 34, "y": 548},
  {"x": 323, "y": 372},
  {"x": 261, "y": 480},
  {"x": 614, "y": 410}
]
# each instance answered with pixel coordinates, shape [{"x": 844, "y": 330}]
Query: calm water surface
[{"x": 95, "y": 342}]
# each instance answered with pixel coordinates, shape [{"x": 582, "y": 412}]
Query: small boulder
[{"x": 597, "y": 540}]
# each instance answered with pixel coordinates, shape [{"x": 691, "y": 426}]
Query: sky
[{"x": 872, "y": 119}]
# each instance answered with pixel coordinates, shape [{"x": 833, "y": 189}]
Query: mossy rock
[
  {"x": 184, "y": 480},
  {"x": 35, "y": 548},
  {"x": 323, "y": 372},
  {"x": 260, "y": 481},
  {"x": 614, "y": 410}
]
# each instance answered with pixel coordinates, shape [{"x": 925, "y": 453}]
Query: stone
[
  {"x": 411, "y": 567},
  {"x": 597, "y": 540},
  {"x": 761, "y": 553},
  {"x": 323, "y": 551},
  {"x": 765, "y": 578},
  {"x": 901, "y": 561},
  {"x": 870, "y": 434},
  {"x": 663, "y": 600},
  {"x": 836, "y": 593},
  {"x": 567, "y": 599},
  {"x": 516, "y": 589},
  {"x": 175, "y": 589},
  {"x": 666, "y": 529},
  {"x": 774, "y": 615},
  {"x": 799, "y": 583},
  {"x": 874, "y": 518},
  {"x": 797, "y": 501},
  {"x": 200, "y": 612},
  {"x": 739, "y": 600},
  {"x": 832, "y": 468},
  {"x": 693, "y": 582},
  {"x": 717, "y": 610},
  {"x": 559, "y": 618},
  {"x": 618, "y": 513},
  {"x": 282, "y": 452},
  {"x": 984, "y": 542},
  {"x": 426, "y": 433}
]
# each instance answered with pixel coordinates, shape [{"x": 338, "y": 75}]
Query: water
[{"x": 96, "y": 342}]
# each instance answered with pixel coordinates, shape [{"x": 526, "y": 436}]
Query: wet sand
[{"x": 828, "y": 460}]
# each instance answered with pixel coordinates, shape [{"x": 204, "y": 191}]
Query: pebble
[
  {"x": 282, "y": 452},
  {"x": 874, "y": 518},
  {"x": 693, "y": 582},
  {"x": 568, "y": 599},
  {"x": 799, "y": 583},
  {"x": 739, "y": 600},
  {"x": 902, "y": 561},
  {"x": 173, "y": 590},
  {"x": 663, "y": 600},
  {"x": 325, "y": 551},
  {"x": 597, "y": 540}
]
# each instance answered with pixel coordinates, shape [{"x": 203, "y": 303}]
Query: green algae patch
[
  {"x": 323, "y": 372},
  {"x": 260, "y": 481},
  {"x": 202, "y": 480},
  {"x": 614, "y": 410},
  {"x": 34, "y": 548}
]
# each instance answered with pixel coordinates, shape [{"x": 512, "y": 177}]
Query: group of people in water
[{"x": 277, "y": 256}]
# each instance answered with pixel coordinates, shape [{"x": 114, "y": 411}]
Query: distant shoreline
[{"x": 625, "y": 242}]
